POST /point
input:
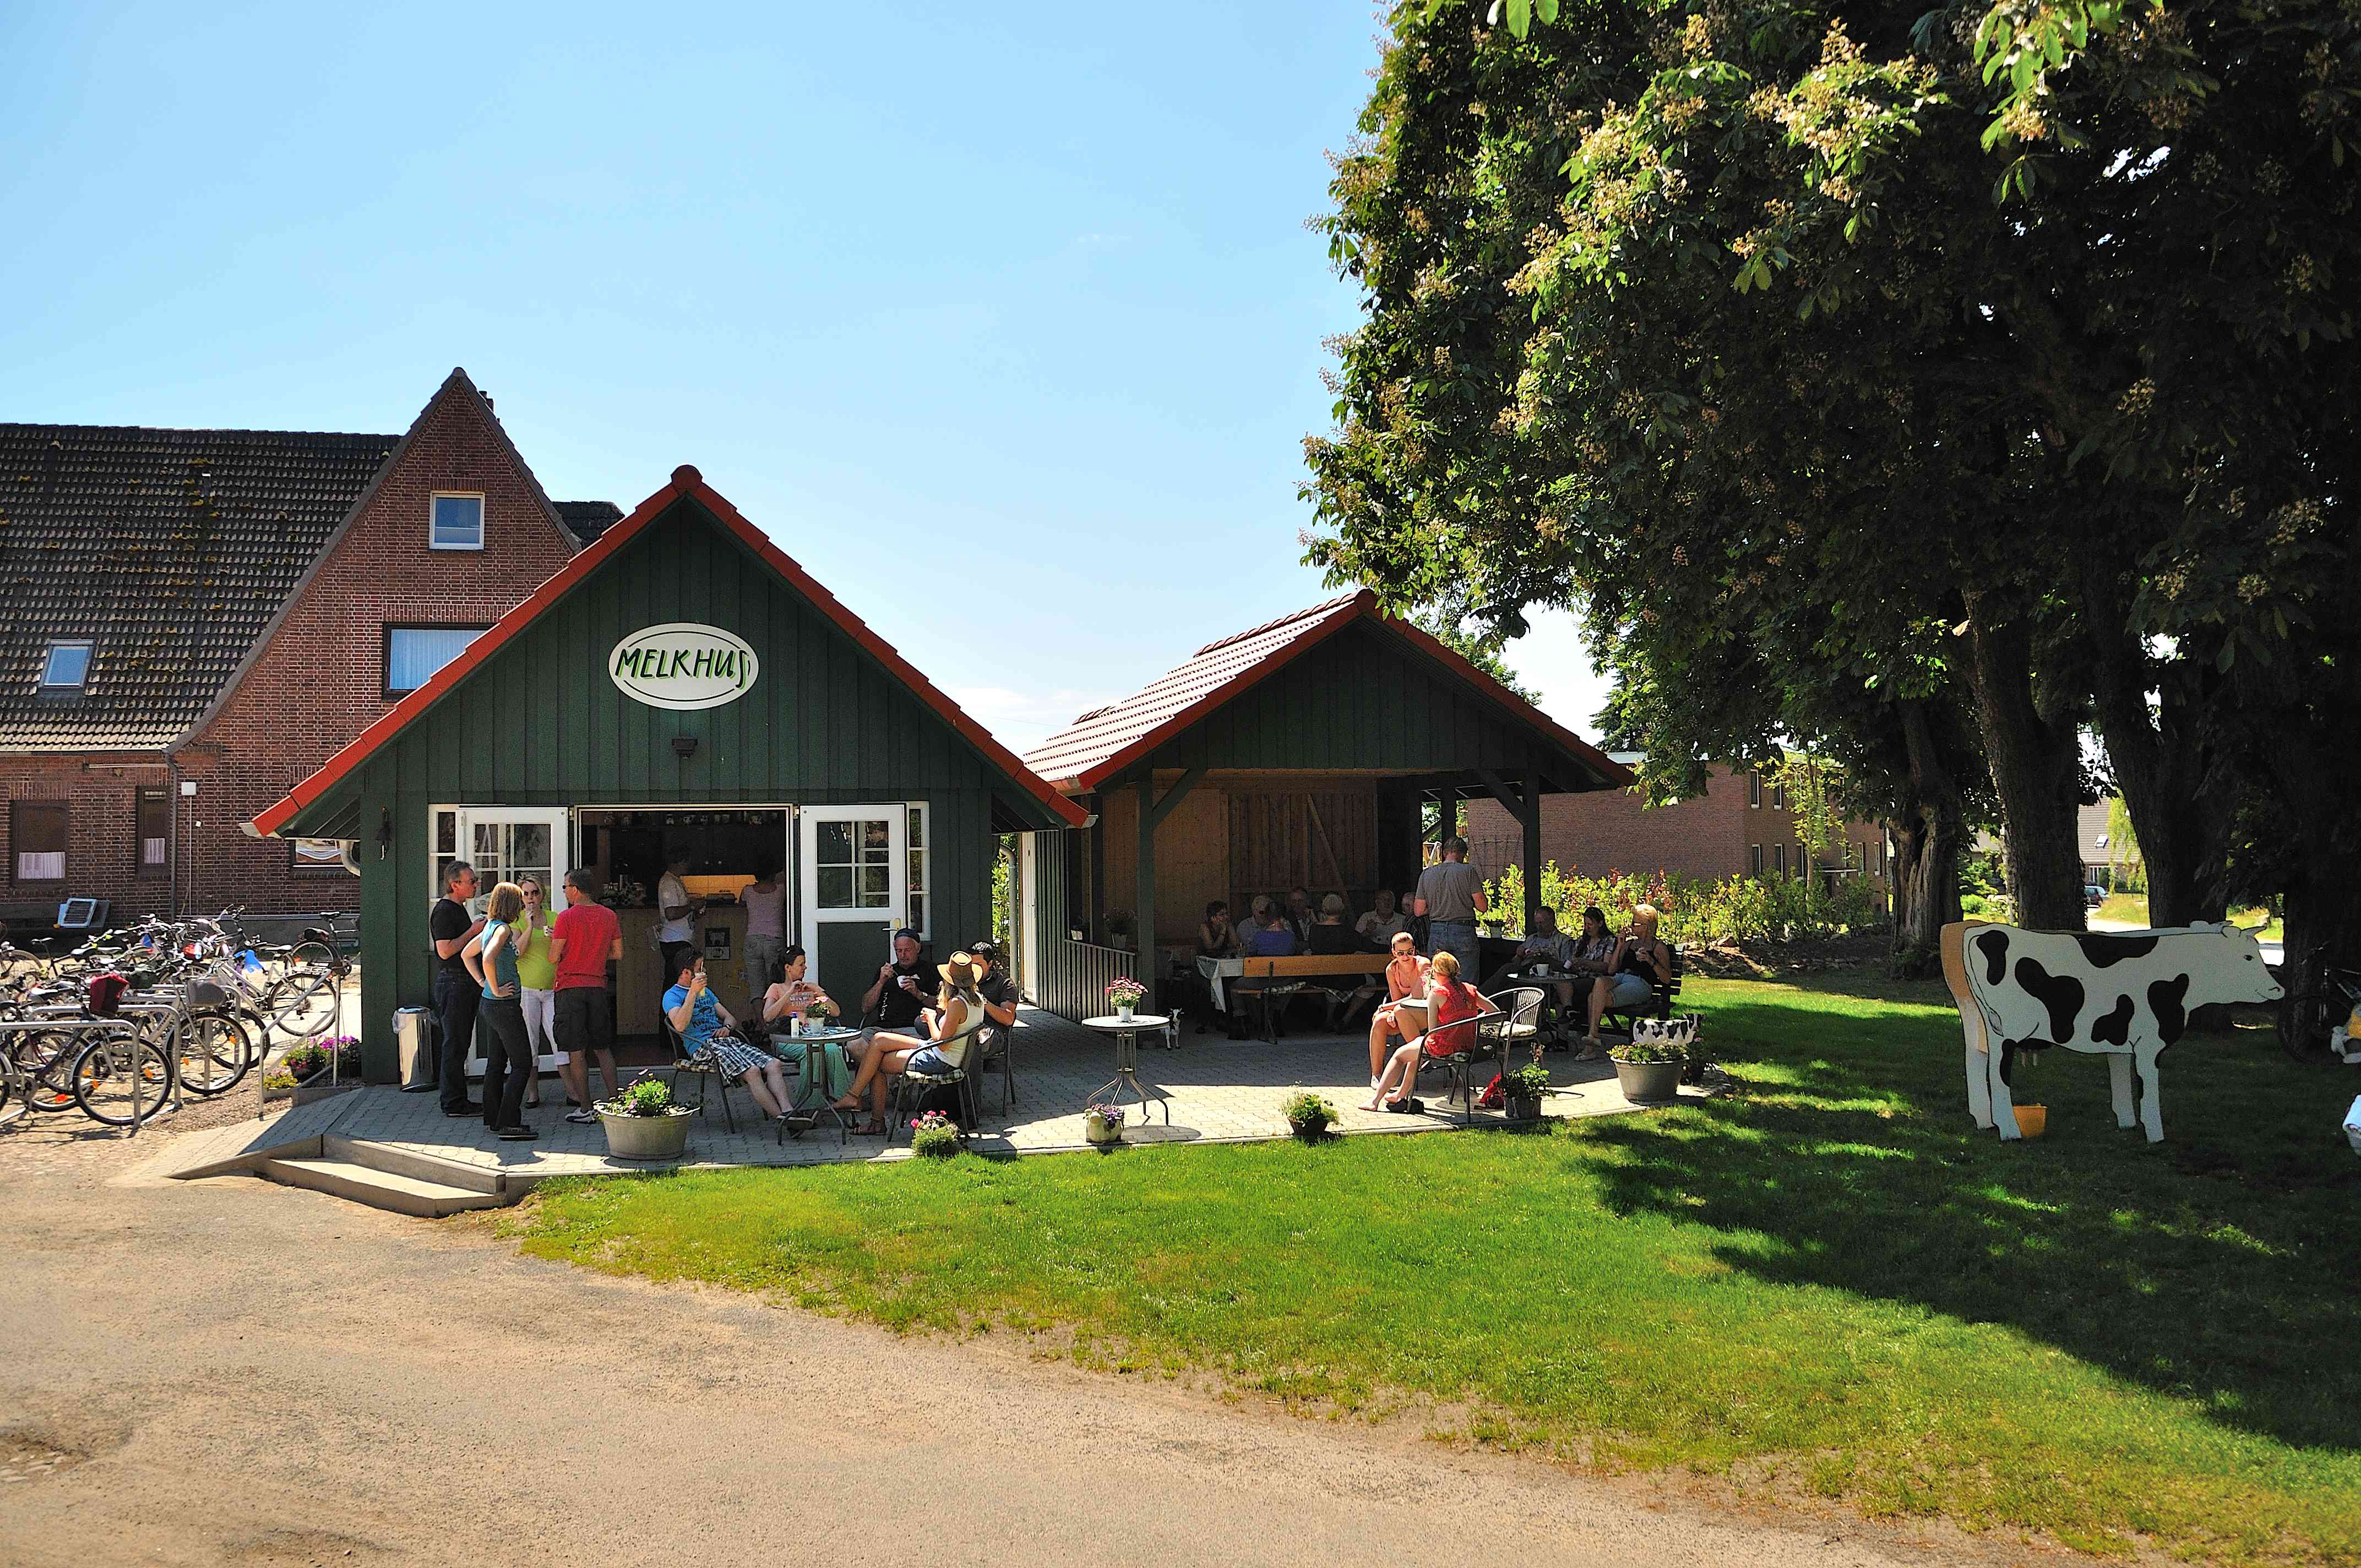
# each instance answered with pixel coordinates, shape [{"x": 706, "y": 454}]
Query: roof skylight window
[{"x": 66, "y": 673}]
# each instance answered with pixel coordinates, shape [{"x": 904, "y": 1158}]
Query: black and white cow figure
[{"x": 2126, "y": 994}]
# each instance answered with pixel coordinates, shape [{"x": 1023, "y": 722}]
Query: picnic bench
[{"x": 1274, "y": 981}]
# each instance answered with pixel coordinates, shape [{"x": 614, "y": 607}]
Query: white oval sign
[{"x": 683, "y": 666}]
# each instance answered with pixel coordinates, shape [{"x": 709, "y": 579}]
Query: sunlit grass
[
  {"x": 1829, "y": 1276},
  {"x": 2131, "y": 908}
]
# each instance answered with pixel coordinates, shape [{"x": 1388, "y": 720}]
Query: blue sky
[{"x": 1004, "y": 320}]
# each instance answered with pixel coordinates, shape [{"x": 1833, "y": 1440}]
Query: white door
[
  {"x": 505, "y": 843},
  {"x": 1029, "y": 915},
  {"x": 853, "y": 892}
]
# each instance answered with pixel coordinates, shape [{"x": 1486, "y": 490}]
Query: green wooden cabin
[{"x": 770, "y": 729}]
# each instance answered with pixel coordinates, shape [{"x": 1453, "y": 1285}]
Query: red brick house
[
  {"x": 196, "y": 620},
  {"x": 1740, "y": 826}
]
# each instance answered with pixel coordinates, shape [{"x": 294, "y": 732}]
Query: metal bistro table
[
  {"x": 1126, "y": 1032},
  {"x": 813, "y": 1085}
]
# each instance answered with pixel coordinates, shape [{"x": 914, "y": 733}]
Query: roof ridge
[
  {"x": 31, "y": 427},
  {"x": 1288, "y": 620}
]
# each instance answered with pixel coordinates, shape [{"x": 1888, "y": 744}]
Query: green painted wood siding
[
  {"x": 1361, "y": 699},
  {"x": 540, "y": 724}
]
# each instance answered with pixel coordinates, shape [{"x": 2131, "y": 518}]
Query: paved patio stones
[{"x": 1217, "y": 1089}]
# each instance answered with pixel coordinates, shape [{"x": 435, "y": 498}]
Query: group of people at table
[
  {"x": 539, "y": 982},
  {"x": 1429, "y": 999}
]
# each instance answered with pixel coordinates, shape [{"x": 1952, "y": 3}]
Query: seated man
[
  {"x": 705, "y": 1027},
  {"x": 1269, "y": 936},
  {"x": 1452, "y": 1006},
  {"x": 903, "y": 989},
  {"x": 997, "y": 987},
  {"x": 1544, "y": 946},
  {"x": 1377, "y": 928}
]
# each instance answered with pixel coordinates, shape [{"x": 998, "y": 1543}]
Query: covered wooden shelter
[{"x": 1301, "y": 752}]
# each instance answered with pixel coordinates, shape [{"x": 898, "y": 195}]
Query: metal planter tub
[
  {"x": 1645, "y": 1081},
  {"x": 663, "y": 1136}
]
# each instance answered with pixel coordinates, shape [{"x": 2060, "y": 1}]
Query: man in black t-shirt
[
  {"x": 904, "y": 988},
  {"x": 457, "y": 994},
  {"x": 998, "y": 989}
]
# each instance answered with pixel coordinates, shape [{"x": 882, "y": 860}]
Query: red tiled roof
[
  {"x": 686, "y": 483},
  {"x": 1102, "y": 742}
]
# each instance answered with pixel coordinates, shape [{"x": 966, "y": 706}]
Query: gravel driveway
[{"x": 224, "y": 1372}]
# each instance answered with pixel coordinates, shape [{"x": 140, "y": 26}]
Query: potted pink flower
[{"x": 1125, "y": 994}]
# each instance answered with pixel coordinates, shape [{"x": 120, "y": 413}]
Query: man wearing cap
[{"x": 904, "y": 988}]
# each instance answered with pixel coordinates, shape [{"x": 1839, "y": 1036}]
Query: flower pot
[
  {"x": 1309, "y": 1130},
  {"x": 1098, "y": 1130},
  {"x": 1124, "y": 1010},
  {"x": 1645, "y": 1081},
  {"x": 2032, "y": 1121},
  {"x": 1520, "y": 1108},
  {"x": 648, "y": 1138}
]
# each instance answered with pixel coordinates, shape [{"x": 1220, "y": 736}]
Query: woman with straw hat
[{"x": 956, "y": 1016}]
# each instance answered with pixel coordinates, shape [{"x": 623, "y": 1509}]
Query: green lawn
[
  {"x": 2132, "y": 908},
  {"x": 1828, "y": 1281}
]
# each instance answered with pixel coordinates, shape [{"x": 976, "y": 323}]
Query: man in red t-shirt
[{"x": 586, "y": 937}]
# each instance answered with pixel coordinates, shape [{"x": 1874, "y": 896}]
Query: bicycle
[{"x": 2322, "y": 998}]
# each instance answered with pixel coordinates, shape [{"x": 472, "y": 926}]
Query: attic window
[
  {"x": 66, "y": 672},
  {"x": 457, "y": 523}
]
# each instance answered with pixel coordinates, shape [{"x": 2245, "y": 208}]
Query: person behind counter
[
  {"x": 766, "y": 936},
  {"x": 903, "y": 989},
  {"x": 706, "y": 1026},
  {"x": 676, "y": 911}
]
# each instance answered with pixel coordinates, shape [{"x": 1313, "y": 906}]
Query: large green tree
[{"x": 1712, "y": 317}]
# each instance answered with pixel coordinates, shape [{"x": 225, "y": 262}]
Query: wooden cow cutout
[{"x": 2124, "y": 994}]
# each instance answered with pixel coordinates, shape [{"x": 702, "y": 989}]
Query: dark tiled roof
[
  {"x": 588, "y": 519},
  {"x": 170, "y": 549}
]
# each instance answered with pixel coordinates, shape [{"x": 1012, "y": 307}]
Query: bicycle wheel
[
  {"x": 215, "y": 1053},
  {"x": 102, "y": 1082},
  {"x": 310, "y": 955},
  {"x": 47, "y": 1060},
  {"x": 2305, "y": 1018},
  {"x": 304, "y": 1002}
]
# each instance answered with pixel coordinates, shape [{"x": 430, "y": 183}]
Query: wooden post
[{"x": 1531, "y": 816}]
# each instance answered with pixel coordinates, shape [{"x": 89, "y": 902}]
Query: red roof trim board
[
  {"x": 1325, "y": 622},
  {"x": 687, "y": 484}
]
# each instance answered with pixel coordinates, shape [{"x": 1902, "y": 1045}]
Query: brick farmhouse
[
  {"x": 1739, "y": 827},
  {"x": 196, "y": 620}
]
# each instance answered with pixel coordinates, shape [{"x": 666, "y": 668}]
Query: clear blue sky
[{"x": 1016, "y": 299}]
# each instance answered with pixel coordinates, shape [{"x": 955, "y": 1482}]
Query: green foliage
[
  {"x": 1004, "y": 893},
  {"x": 1828, "y": 1280},
  {"x": 1307, "y": 1113},
  {"x": 1531, "y": 1081},
  {"x": 934, "y": 1136},
  {"x": 1696, "y": 912},
  {"x": 646, "y": 1096},
  {"x": 1643, "y": 1053}
]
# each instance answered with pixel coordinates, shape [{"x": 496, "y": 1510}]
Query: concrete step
[
  {"x": 378, "y": 1188},
  {"x": 408, "y": 1162}
]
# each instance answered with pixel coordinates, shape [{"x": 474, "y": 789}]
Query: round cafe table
[
  {"x": 1127, "y": 1033},
  {"x": 812, "y": 1099}
]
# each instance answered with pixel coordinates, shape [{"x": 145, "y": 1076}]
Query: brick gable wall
[
  {"x": 320, "y": 678},
  {"x": 1711, "y": 837}
]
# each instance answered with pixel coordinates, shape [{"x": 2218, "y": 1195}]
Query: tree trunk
[
  {"x": 2163, "y": 762},
  {"x": 2036, "y": 771},
  {"x": 2323, "y": 885},
  {"x": 1927, "y": 838}
]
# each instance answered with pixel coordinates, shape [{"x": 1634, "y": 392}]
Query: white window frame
[
  {"x": 481, "y": 527},
  {"x": 923, "y": 812},
  {"x": 89, "y": 647}
]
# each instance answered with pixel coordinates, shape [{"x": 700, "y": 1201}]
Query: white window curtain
[{"x": 414, "y": 652}]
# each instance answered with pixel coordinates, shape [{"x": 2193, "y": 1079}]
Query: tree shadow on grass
[{"x": 2221, "y": 1266}]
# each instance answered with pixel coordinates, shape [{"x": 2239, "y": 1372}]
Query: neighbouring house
[
  {"x": 2103, "y": 862},
  {"x": 696, "y": 699},
  {"x": 1304, "y": 752},
  {"x": 197, "y": 619},
  {"x": 1739, "y": 827}
]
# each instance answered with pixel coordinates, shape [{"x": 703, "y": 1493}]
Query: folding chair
[
  {"x": 913, "y": 1087},
  {"x": 703, "y": 1065},
  {"x": 1474, "y": 1047}
]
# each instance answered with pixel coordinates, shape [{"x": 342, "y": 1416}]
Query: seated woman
[
  {"x": 1269, "y": 936},
  {"x": 1330, "y": 935},
  {"x": 1217, "y": 938},
  {"x": 705, "y": 1026},
  {"x": 1640, "y": 964},
  {"x": 1405, "y": 977},
  {"x": 954, "y": 1023},
  {"x": 793, "y": 993},
  {"x": 1449, "y": 1001}
]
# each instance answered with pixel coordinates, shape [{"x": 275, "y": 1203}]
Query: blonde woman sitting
[
  {"x": 954, "y": 1020},
  {"x": 1452, "y": 1006}
]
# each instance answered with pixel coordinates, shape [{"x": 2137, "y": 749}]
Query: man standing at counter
[
  {"x": 903, "y": 990},
  {"x": 677, "y": 911}
]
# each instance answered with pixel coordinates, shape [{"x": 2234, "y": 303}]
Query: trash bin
[{"x": 414, "y": 1043}]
